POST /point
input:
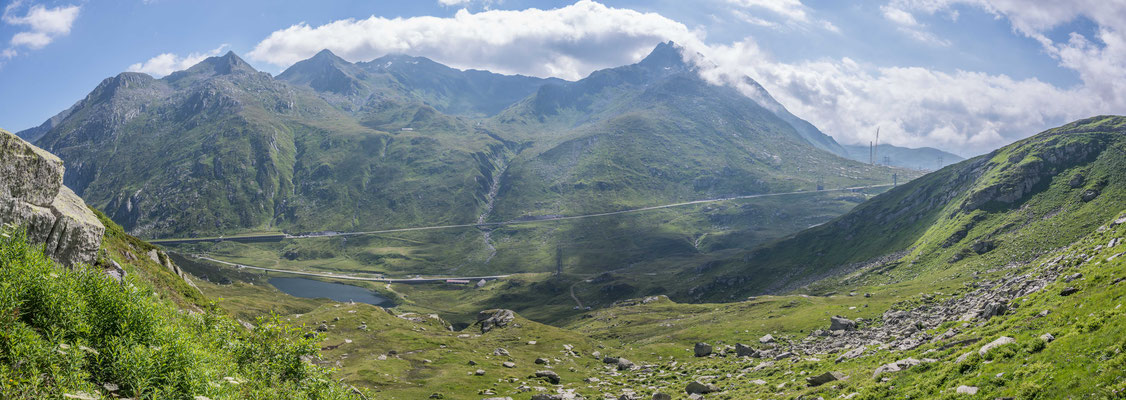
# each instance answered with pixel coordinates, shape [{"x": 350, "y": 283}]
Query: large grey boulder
[
  {"x": 32, "y": 195},
  {"x": 839, "y": 323},
  {"x": 702, "y": 349}
]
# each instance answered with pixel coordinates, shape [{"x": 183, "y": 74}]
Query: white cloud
[
  {"x": 567, "y": 42},
  {"x": 44, "y": 25},
  {"x": 168, "y": 63},
  {"x": 793, "y": 13},
  {"x": 448, "y": 3},
  {"x": 908, "y": 25},
  {"x": 962, "y": 111},
  {"x": 1100, "y": 61},
  {"x": 791, "y": 9}
]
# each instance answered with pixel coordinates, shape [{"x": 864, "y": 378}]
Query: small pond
[{"x": 314, "y": 289}]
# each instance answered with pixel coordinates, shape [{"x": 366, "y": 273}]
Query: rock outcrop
[
  {"x": 495, "y": 318},
  {"x": 32, "y": 195}
]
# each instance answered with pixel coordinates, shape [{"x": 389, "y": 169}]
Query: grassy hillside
[
  {"x": 79, "y": 333},
  {"x": 1007, "y": 206},
  {"x": 924, "y": 293}
]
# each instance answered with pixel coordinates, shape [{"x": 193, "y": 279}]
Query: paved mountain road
[{"x": 518, "y": 222}]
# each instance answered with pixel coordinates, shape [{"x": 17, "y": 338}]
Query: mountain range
[{"x": 221, "y": 148}]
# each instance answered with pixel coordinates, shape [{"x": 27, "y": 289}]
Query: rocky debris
[
  {"x": 609, "y": 360},
  {"x": 839, "y": 323},
  {"x": 1001, "y": 341},
  {"x": 1072, "y": 277},
  {"x": 766, "y": 339},
  {"x": 825, "y": 378},
  {"x": 495, "y": 318},
  {"x": 1047, "y": 337},
  {"x": 702, "y": 349},
  {"x": 545, "y": 396},
  {"x": 1069, "y": 291},
  {"x": 541, "y": 360},
  {"x": 661, "y": 396},
  {"x": 1076, "y": 181},
  {"x": 32, "y": 195},
  {"x": 697, "y": 387},
  {"x": 970, "y": 390},
  {"x": 508, "y": 364},
  {"x": 784, "y": 355},
  {"x": 1089, "y": 194},
  {"x": 549, "y": 376},
  {"x": 479, "y": 372},
  {"x": 501, "y": 352},
  {"x": 742, "y": 350}
]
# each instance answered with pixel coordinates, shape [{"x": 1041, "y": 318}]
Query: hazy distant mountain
[
  {"x": 413, "y": 79},
  {"x": 923, "y": 158}
]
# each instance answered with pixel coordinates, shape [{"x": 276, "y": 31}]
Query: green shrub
[{"x": 71, "y": 330}]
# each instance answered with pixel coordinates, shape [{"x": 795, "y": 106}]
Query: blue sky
[{"x": 963, "y": 75}]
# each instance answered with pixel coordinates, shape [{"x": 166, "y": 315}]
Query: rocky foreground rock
[{"x": 32, "y": 195}]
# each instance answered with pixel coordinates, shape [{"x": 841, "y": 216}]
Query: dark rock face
[
  {"x": 824, "y": 378},
  {"x": 32, "y": 195},
  {"x": 743, "y": 350},
  {"x": 549, "y": 376},
  {"x": 1089, "y": 194},
  {"x": 702, "y": 349},
  {"x": 696, "y": 387},
  {"x": 495, "y": 318},
  {"x": 1076, "y": 181}
]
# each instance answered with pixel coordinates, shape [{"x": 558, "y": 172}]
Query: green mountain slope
[
  {"x": 1010, "y": 205},
  {"x": 923, "y": 302},
  {"x": 221, "y": 148}
]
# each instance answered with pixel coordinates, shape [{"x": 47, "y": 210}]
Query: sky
[{"x": 966, "y": 76}]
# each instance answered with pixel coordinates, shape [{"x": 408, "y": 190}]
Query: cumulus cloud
[
  {"x": 967, "y": 112},
  {"x": 43, "y": 25},
  {"x": 168, "y": 63},
  {"x": 448, "y": 3},
  {"x": 962, "y": 111},
  {"x": 567, "y": 42}
]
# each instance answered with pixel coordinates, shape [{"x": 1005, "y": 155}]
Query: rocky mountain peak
[
  {"x": 667, "y": 56},
  {"x": 227, "y": 64}
]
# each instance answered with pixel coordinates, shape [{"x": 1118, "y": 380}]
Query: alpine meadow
[{"x": 474, "y": 199}]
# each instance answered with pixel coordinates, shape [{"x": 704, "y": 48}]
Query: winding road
[{"x": 521, "y": 222}]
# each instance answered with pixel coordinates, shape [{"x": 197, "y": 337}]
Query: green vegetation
[
  {"x": 79, "y": 332},
  {"x": 1051, "y": 236}
]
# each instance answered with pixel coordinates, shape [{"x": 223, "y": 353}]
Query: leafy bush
[{"x": 77, "y": 331}]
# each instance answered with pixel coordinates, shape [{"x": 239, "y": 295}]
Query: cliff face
[{"x": 32, "y": 195}]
